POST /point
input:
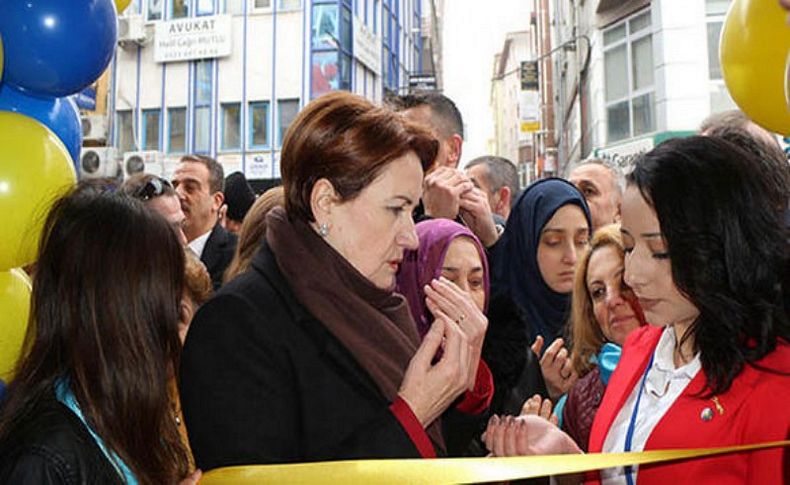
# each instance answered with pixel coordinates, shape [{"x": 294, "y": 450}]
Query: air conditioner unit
[
  {"x": 142, "y": 162},
  {"x": 131, "y": 30},
  {"x": 100, "y": 162},
  {"x": 94, "y": 128}
]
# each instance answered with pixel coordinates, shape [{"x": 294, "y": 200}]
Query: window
[
  {"x": 715, "y": 11},
  {"x": 231, "y": 126},
  {"x": 286, "y": 112},
  {"x": 234, "y": 7},
  {"x": 179, "y": 9},
  {"x": 289, "y": 4},
  {"x": 124, "y": 126},
  {"x": 205, "y": 7},
  {"x": 177, "y": 127},
  {"x": 259, "y": 124},
  {"x": 325, "y": 31},
  {"x": 629, "y": 74},
  {"x": 202, "y": 113},
  {"x": 150, "y": 129},
  {"x": 202, "y": 129},
  {"x": 154, "y": 10},
  {"x": 261, "y": 4}
]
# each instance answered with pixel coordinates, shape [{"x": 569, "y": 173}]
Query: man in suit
[{"x": 199, "y": 183}]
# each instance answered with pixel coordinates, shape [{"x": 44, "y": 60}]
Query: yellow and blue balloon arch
[{"x": 49, "y": 51}]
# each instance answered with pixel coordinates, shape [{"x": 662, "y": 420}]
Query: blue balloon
[
  {"x": 59, "y": 115},
  {"x": 56, "y": 47}
]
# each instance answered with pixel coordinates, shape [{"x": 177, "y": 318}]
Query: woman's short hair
[
  {"x": 586, "y": 333},
  {"x": 347, "y": 140},
  {"x": 728, "y": 249},
  {"x": 253, "y": 230},
  {"x": 104, "y": 315}
]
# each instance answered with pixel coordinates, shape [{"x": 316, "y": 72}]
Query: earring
[{"x": 323, "y": 229}]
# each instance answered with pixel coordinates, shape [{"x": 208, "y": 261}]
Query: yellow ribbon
[{"x": 453, "y": 470}]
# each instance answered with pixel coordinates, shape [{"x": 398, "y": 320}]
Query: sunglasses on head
[{"x": 153, "y": 188}]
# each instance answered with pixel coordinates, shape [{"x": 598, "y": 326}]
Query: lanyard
[
  {"x": 66, "y": 397},
  {"x": 629, "y": 435}
]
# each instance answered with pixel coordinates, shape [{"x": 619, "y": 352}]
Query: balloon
[
  {"x": 54, "y": 47},
  {"x": 121, "y": 5},
  {"x": 753, "y": 50},
  {"x": 35, "y": 168},
  {"x": 15, "y": 291},
  {"x": 60, "y": 115}
]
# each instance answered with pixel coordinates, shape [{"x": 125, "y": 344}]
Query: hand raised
[
  {"x": 555, "y": 365},
  {"x": 476, "y": 214},
  {"x": 428, "y": 388},
  {"x": 442, "y": 191},
  {"x": 442, "y": 296},
  {"x": 537, "y": 406}
]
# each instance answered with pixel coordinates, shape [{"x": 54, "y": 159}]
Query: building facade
[
  {"x": 225, "y": 78},
  {"x": 629, "y": 74},
  {"x": 510, "y": 140}
]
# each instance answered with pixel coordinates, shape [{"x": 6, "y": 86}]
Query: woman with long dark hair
[
  {"x": 707, "y": 258},
  {"x": 89, "y": 402}
]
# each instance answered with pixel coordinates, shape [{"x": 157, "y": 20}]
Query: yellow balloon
[
  {"x": 755, "y": 41},
  {"x": 15, "y": 291},
  {"x": 120, "y": 5},
  {"x": 35, "y": 168}
]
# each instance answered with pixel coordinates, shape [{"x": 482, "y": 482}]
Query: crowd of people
[{"x": 385, "y": 303}]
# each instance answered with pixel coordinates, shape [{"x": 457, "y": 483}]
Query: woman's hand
[
  {"x": 526, "y": 436},
  {"x": 442, "y": 296},
  {"x": 537, "y": 406},
  {"x": 555, "y": 365},
  {"x": 429, "y": 389}
]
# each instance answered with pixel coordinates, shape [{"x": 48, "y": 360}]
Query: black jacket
[
  {"x": 263, "y": 381},
  {"x": 52, "y": 446},
  {"x": 218, "y": 253}
]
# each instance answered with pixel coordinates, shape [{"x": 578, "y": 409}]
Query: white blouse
[{"x": 664, "y": 384}]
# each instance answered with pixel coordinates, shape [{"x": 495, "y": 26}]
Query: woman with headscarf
[
  {"x": 450, "y": 252},
  {"x": 533, "y": 266}
]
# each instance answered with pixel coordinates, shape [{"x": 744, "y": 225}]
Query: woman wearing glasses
[{"x": 159, "y": 195}]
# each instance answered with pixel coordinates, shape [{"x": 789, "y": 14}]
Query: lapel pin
[{"x": 706, "y": 414}]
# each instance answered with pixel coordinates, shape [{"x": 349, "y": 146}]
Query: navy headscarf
[{"x": 516, "y": 268}]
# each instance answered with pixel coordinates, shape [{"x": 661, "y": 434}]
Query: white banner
[
  {"x": 193, "y": 38},
  {"x": 367, "y": 46}
]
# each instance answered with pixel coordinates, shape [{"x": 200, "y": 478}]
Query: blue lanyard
[
  {"x": 66, "y": 397},
  {"x": 629, "y": 435}
]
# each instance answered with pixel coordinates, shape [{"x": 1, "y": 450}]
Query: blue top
[{"x": 516, "y": 268}]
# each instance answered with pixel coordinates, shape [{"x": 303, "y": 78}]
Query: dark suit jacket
[
  {"x": 263, "y": 381},
  {"x": 218, "y": 253},
  {"x": 52, "y": 446}
]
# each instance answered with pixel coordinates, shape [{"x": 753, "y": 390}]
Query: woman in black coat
[{"x": 310, "y": 355}]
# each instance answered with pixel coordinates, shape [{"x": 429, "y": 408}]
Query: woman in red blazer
[{"x": 707, "y": 256}]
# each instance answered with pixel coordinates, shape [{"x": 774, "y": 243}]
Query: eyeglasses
[{"x": 153, "y": 188}]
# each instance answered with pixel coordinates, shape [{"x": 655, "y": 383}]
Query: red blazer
[{"x": 755, "y": 409}]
